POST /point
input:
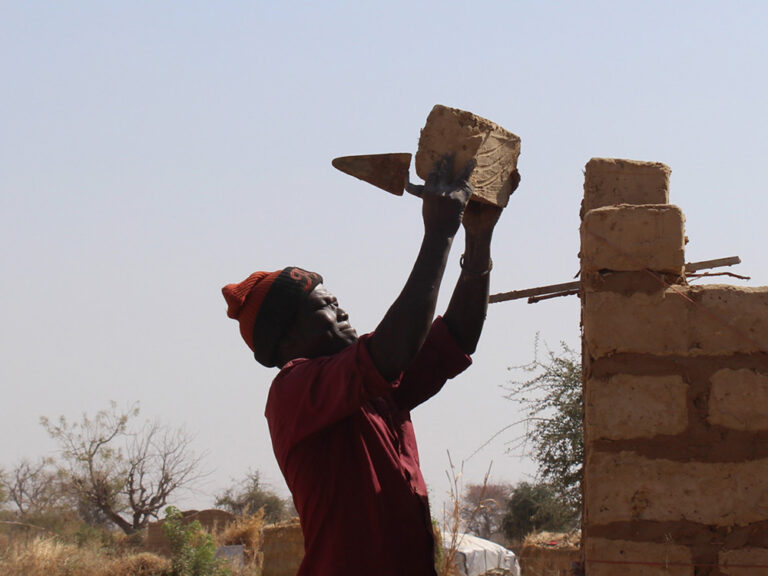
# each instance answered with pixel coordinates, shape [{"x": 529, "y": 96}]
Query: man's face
[{"x": 321, "y": 328}]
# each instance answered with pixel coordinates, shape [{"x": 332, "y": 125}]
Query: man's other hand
[{"x": 480, "y": 217}]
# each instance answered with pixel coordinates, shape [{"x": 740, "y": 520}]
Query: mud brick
[
  {"x": 626, "y": 406},
  {"x": 630, "y": 238},
  {"x": 609, "y": 181},
  {"x": 712, "y": 320},
  {"x": 655, "y": 323},
  {"x": 739, "y": 400},
  {"x": 494, "y": 149},
  {"x": 730, "y": 319},
  {"x": 744, "y": 561},
  {"x": 623, "y": 486},
  {"x": 606, "y": 558}
]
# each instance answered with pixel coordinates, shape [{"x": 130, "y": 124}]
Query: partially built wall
[{"x": 675, "y": 390}]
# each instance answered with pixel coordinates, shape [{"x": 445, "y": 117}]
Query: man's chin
[{"x": 350, "y": 336}]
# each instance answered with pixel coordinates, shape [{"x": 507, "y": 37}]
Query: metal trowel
[{"x": 386, "y": 171}]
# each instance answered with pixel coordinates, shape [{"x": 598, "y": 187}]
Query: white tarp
[{"x": 475, "y": 556}]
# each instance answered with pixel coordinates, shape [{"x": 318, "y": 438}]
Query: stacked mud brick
[{"x": 676, "y": 393}]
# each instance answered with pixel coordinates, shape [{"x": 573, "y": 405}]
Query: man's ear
[{"x": 285, "y": 348}]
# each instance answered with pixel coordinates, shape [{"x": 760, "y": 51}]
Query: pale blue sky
[{"x": 151, "y": 152}]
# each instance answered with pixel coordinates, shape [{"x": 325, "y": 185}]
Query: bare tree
[
  {"x": 160, "y": 461},
  {"x": 126, "y": 475}
]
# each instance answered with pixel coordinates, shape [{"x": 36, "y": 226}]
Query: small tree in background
[
  {"x": 31, "y": 488},
  {"x": 483, "y": 508},
  {"x": 36, "y": 497},
  {"x": 554, "y": 433},
  {"x": 3, "y": 484},
  {"x": 249, "y": 496},
  {"x": 532, "y": 508}
]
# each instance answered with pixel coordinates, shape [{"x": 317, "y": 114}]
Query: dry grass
[
  {"x": 141, "y": 564},
  {"x": 27, "y": 552},
  {"x": 446, "y": 560},
  {"x": 45, "y": 556},
  {"x": 570, "y": 540},
  {"x": 246, "y": 530}
]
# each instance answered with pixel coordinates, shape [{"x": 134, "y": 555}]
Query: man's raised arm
[
  {"x": 402, "y": 331},
  {"x": 466, "y": 311}
]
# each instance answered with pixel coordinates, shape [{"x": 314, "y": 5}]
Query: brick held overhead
[
  {"x": 609, "y": 181},
  {"x": 627, "y": 238},
  {"x": 468, "y": 136}
]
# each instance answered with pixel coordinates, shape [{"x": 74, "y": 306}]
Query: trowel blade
[{"x": 386, "y": 171}]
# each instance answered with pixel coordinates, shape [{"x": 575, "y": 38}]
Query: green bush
[
  {"x": 193, "y": 550},
  {"x": 249, "y": 496},
  {"x": 535, "y": 507}
]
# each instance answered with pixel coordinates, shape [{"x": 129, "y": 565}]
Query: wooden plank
[
  {"x": 705, "y": 264},
  {"x": 568, "y": 288},
  {"x": 517, "y": 294}
]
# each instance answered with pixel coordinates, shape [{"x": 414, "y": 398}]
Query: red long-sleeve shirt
[{"x": 344, "y": 441}]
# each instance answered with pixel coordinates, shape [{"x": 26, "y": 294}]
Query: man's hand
[
  {"x": 444, "y": 197},
  {"x": 481, "y": 217}
]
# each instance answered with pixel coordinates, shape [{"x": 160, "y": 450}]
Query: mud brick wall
[{"x": 675, "y": 389}]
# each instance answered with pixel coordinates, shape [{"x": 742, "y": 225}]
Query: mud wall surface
[
  {"x": 547, "y": 562},
  {"x": 675, "y": 393},
  {"x": 283, "y": 549}
]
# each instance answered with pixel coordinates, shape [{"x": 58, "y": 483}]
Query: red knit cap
[
  {"x": 245, "y": 299},
  {"x": 265, "y": 303}
]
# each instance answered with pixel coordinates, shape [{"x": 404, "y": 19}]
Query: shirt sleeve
[
  {"x": 439, "y": 360},
  {"x": 311, "y": 394}
]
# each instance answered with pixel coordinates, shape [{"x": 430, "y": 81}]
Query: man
[{"x": 339, "y": 410}]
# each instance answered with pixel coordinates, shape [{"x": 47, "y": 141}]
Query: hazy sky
[{"x": 151, "y": 152}]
